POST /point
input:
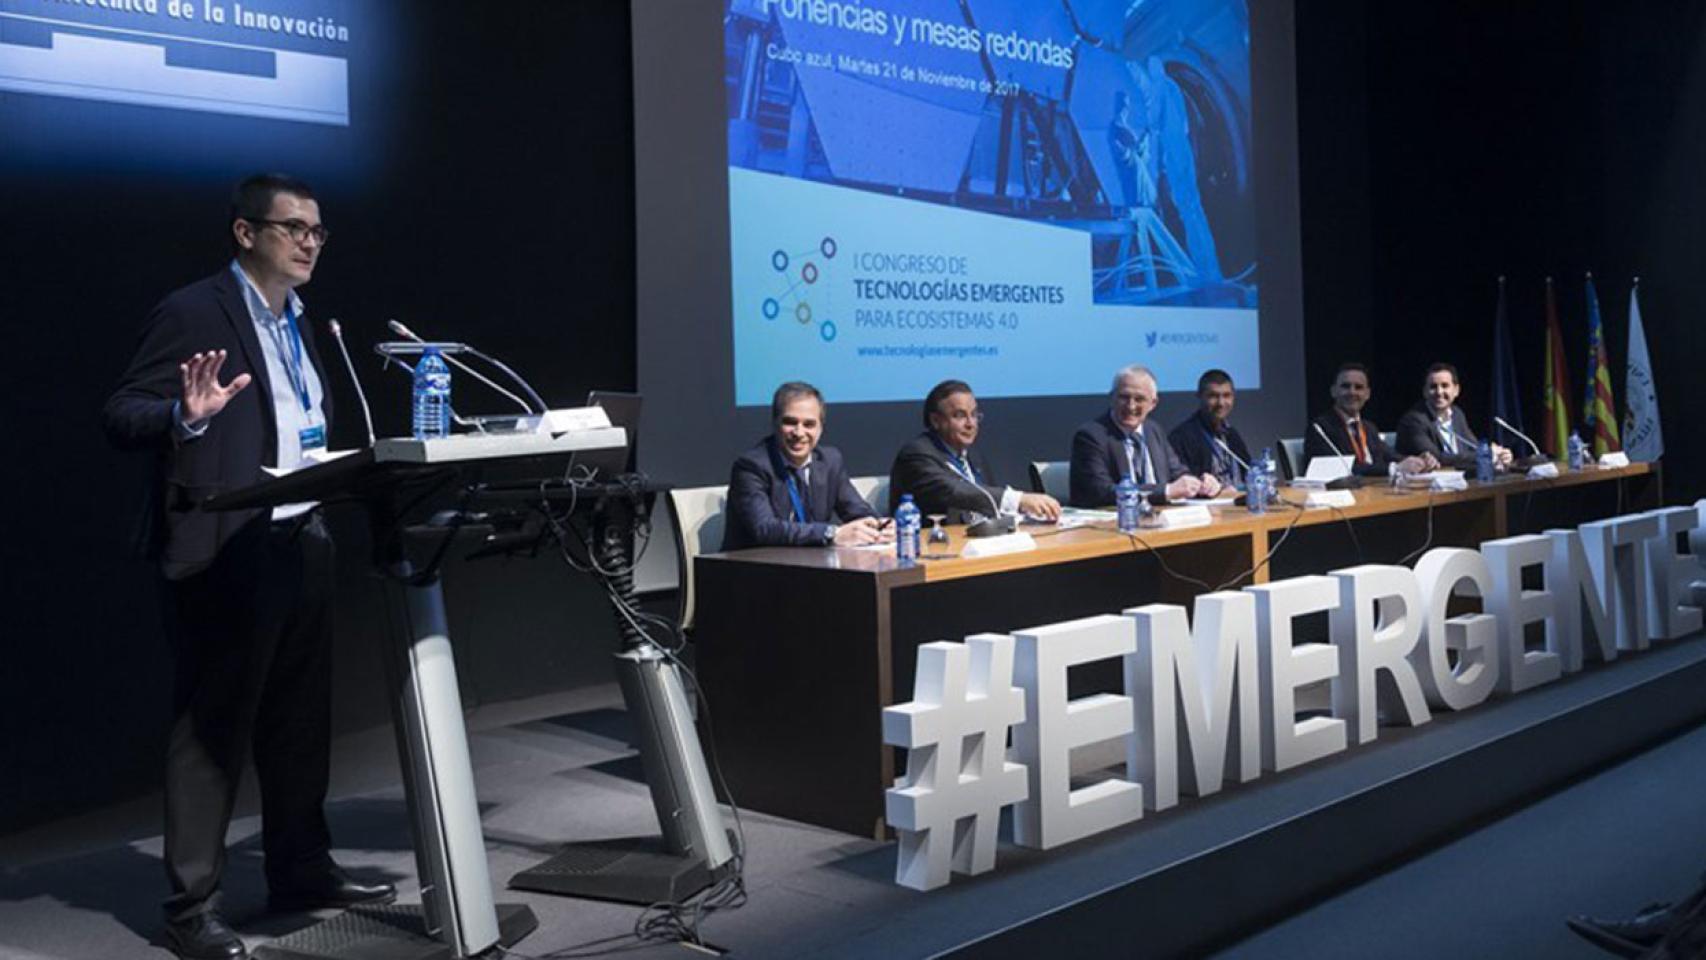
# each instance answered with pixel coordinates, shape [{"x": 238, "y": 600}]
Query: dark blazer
[
  {"x": 206, "y": 315},
  {"x": 760, "y": 512},
  {"x": 1099, "y": 461},
  {"x": 1380, "y": 455},
  {"x": 1419, "y": 432},
  {"x": 921, "y": 469},
  {"x": 1190, "y": 442}
]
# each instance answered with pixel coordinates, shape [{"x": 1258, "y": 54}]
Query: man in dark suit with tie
[
  {"x": 1354, "y": 435},
  {"x": 1436, "y": 427},
  {"x": 247, "y": 594},
  {"x": 1120, "y": 443},
  {"x": 945, "y": 475},
  {"x": 1199, "y": 440},
  {"x": 791, "y": 491}
]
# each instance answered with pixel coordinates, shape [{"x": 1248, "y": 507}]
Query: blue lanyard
[
  {"x": 964, "y": 469},
  {"x": 1220, "y": 456},
  {"x": 291, "y": 359},
  {"x": 794, "y": 495}
]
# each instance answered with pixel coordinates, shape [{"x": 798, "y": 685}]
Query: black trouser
[{"x": 252, "y": 640}]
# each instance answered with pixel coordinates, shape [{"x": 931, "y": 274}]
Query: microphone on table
[
  {"x": 402, "y": 331},
  {"x": 366, "y": 411},
  {"x": 1525, "y": 438},
  {"x": 1349, "y": 481},
  {"x": 996, "y": 523}
]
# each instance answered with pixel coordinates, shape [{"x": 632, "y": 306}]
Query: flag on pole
[
  {"x": 1557, "y": 383},
  {"x": 1641, "y": 416},
  {"x": 1599, "y": 409},
  {"x": 1507, "y": 398}
]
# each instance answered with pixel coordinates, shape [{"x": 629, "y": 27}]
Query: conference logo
[
  {"x": 800, "y": 284},
  {"x": 1210, "y": 695}
]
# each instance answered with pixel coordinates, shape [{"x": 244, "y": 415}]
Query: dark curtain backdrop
[{"x": 1444, "y": 144}]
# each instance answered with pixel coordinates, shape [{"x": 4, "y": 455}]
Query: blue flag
[{"x": 1507, "y": 396}]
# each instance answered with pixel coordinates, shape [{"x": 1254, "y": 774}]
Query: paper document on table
[
  {"x": 1075, "y": 517},
  {"x": 1328, "y": 468}
]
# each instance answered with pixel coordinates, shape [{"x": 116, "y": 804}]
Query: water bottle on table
[
  {"x": 1128, "y": 504},
  {"x": 1578, "y": 452},
  {"x": 1259, "y": 485},
  {"x": 908, "y": 524},
  {"x": 432, "y": 396},
  {"x": 1484, "y": 462}
]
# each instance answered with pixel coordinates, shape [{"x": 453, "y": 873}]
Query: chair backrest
[
  {"x": 1053, "y": 477},
  {"x": 875, "y": 490},
  {"x": 1291, "y": 457},
  {"x": 698, "y": 514}
]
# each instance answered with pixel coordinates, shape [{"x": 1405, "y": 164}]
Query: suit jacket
[
  {"x": 1380, "y": 455},
  {"x": 761, "y": 512},
  {"x": 206, "y": 315},
  {"x": 1099, "y": 461},
  {"x": 1190, "y": 442},
  {"x": 921, "y": 469},
  {"x": 1419, "y": 432}
]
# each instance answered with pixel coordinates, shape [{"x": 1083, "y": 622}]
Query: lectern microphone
[
  {"x": 366, "y": 411},
  {"x": 402, "y": 331}
]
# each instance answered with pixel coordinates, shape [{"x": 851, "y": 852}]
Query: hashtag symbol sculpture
[{"x": 948, "y": 806}]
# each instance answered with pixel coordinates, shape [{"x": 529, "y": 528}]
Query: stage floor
[{"x": 559, "y": 768}]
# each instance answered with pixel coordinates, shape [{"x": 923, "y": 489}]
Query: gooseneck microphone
[
  {"x": 1222, "y": 445},
  {"x": 407, "y": 334},
  {"x": 1350, "y": 479},
  {"x": 997, "y": 522},
  {"x": 366, "y": 411},
  {"x": 1525, "y": 438}
]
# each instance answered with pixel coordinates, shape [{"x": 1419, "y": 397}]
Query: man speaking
[{"x": 247, "y": 595}]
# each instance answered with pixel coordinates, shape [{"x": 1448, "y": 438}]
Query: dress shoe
[
  {"x": 331, "y": 888},
  {"x": 204, "y": 936},
  {"x": 1627, "y": 938}
]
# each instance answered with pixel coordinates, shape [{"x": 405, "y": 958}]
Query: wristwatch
[{"x": 829, "y": 534}]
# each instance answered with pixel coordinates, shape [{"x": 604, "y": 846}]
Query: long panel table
[{"x": 798, "y": 649}]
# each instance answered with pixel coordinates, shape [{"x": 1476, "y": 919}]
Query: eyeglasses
[
  {"x": 298, "y": 231},
  {"x": 962, "y": 416}
]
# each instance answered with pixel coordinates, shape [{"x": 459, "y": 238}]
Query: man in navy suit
[
  {"x": 247, "y": 594},
  {"x": 1120, "y": 443},
  {"x": 1354, "y": 436},
  {"x": 1207, "y": 441},
  {"x": 789, "y": 491},
  {"x": 946, "y": 475}
]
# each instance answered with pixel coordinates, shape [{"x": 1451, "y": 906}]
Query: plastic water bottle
[
  {"x": 1484, "y": 462},
  {"x": 908, "y": 524},
  {"x": 432, "y": 396},
  {"x": 1578, "y": 452},
  {"x": 1258, "y": 485},
  {"x": 1128, "y": 506},
  {"x": 1270, "y": 470}
]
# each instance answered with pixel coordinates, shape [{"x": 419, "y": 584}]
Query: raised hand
[{"x": 203, "y": 396}]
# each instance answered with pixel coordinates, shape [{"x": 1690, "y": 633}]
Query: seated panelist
[
  {"x": 1121, "y": 443},
  {"x": 1435, "y": 426},
  {"x": 788, "y": 491},
  {"x": 1354, "y": 435},
  {"x": 1198, "y": 441},
  {"x": 945, "y": 475}
]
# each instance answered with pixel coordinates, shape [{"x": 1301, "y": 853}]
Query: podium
[{"x": 457, "y": 916}]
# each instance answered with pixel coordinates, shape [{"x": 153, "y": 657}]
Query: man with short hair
[
  {"x": 1120, "y": 443},
  {"x": 1354, "y": 435},
  {"x": 945, "y": 475},
  {"x": 1202, "y": 441},
  {"x": 790, "y": 490},
  {"x": 1435, "y": 425},
  {"x": 247, "y": 594}
]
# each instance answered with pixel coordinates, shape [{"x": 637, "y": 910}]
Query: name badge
[{"x": 312, "y": 438}]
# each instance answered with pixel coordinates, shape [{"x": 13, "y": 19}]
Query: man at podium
[{"x": 247, "y": 595}]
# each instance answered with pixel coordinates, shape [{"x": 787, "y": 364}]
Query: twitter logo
[{"x": 1150, "y": 338}]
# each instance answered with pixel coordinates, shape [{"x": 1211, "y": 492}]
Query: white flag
[{"x": 1642, "y": 438}]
